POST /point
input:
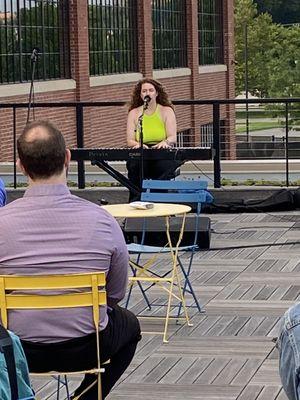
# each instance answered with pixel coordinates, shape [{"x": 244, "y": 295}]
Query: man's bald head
[{"x": 42, "y": 150}]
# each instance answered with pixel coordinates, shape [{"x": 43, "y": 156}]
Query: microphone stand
[
  {"x": 34, "y": 57},
  {"x": 140, "y": 119}
]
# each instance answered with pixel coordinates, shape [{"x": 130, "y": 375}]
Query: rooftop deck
[{"x": 248, "y": 278}]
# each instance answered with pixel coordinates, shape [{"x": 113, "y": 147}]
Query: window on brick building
[
  {"x": 210, "y": 32},
  {"x": 184, "y": 138},
  {"x": 206, "y": 134},
  {"x": 169, "y": 34},
  {"x": 29, "y": 24},
  {"x": 113, "y": 36}
]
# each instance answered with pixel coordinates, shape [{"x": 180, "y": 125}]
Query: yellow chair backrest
[
  {"x": 93, "y": 284},
  {"x": 37, "y": 292}
]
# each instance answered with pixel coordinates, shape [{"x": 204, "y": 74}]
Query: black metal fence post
[
  {"x": 287, "y": 143},
  {"x": 80, "y": 144},
  {"x": 216, "y": 145}
]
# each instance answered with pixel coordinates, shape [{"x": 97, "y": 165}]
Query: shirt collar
[{"x": 47, "y": 190}]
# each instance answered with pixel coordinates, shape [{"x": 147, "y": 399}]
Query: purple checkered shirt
[{"x": 51, "y": 231}]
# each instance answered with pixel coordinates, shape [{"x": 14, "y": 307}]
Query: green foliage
[
  {"x": 257, "y": 113},
  {"x": 112, "y": 39},
  {"x": 273, "y": 53},
  {"x": 282, "y": 11},
  {"x": 21, "y": 31},
  {"x": 259, "y": 182}
]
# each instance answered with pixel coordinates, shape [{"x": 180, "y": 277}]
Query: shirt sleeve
[
  {"x": 117, "y": 277},
  {"x": 2, "y": 194}
]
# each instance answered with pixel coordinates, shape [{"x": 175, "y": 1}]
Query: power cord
[
  {"x": 256, "y": 245},
  {"x": 245, "y": 228},
  {"x": 280, "y": 218},
  {"x": 249, "y": 246}
]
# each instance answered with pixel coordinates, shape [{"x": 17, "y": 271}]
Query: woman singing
[{"x": 159, "y": 131}]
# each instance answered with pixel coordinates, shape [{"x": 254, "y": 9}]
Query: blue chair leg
[
  {"x": 64, "y": 382},
  {"x": 141, "y": 289},
  {"x": 188, "y": 286},
  {"x": 58, "y": 387},
  {"x": 67, "y": 387}
]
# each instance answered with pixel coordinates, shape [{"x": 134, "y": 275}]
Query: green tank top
[{"x": 153, "y": 128}]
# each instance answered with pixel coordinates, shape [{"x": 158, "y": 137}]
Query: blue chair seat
[{"x": 135, "y": 248}]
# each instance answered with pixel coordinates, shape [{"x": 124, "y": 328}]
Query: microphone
[
  {"x": 34, "y": 54},
  {"x": 147, "y": 100}
]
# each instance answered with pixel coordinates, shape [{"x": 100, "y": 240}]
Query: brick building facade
[{"x": 105, "y": 127}]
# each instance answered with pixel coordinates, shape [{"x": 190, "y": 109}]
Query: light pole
[{"x": 246, "y": 78}]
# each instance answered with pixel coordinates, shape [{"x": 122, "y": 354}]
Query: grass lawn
[{"x": 258, "y": 126}]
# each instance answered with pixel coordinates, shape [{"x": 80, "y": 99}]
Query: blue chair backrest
[
  {"x": 176, "y": 185},
  {"x": 181, "y": 192},
  {"x": 184, "y": 191}
]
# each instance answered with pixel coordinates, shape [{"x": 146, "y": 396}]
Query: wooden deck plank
[
  {"x": 188, "y": 392},
  {"x": 269, "y": 392},
  {"x": 250, "y": 393},
  {"x": 227, "y": 375},
  {"x": 267, "y": 373},
  {"x": 209, "y": 375},
  {"x": 247, "y": 372},
  {"x": 245, "y": 285},
  {"x": 195, "y": 370},
  {"x": 178, "y": 369}
]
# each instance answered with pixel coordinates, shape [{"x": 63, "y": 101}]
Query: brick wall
[
  {"x": 230, "y": 80},
  {"x": 63, "y": 118},
  {"x": 106, "y": 127}
]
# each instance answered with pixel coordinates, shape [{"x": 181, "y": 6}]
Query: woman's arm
[
  {"x": 169, "y": 119},
  {"x": 131, "y": 127}
]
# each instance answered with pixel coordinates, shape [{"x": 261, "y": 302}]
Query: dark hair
[
  {"x": 42, "y": 156},
  {"x": 162, "y": 97}
]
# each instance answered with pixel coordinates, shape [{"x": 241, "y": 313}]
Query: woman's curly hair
[{"x": 162, "y": 97}]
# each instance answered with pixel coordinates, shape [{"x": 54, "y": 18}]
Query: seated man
[
  {"x": 2, "y": 193},
  {"x": 50, "y": 231},
  {"x": 288, "y": 345}
]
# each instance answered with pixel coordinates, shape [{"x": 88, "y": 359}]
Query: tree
[
  {"x": 38, "y": 26},
  {"x": 282, "y": 11},
  {"x": 273, "y": 53},
  {"x": 261, "y": 33}
]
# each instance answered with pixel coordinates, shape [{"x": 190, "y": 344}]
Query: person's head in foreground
[{"x": 43, "y": 155}]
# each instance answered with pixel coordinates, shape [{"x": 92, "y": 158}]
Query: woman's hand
[
  {"x": 137, "y": 146},
  {"x": 161, "y": 145}
]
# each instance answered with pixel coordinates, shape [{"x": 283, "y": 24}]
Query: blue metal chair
[{"x": 180, "y": 191}]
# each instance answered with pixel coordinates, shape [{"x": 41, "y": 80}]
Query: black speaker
[
  {"x": 156, "y": 231},
  {"x": 297, "y": 198}
]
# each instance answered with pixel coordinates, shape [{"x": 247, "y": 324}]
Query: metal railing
[{"x": 286, "y": 149}]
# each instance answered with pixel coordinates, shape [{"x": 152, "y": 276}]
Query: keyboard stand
[{"x": 117, "y": 176}]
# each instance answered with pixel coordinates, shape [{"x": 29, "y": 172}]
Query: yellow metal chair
[{"x": 93, "y": 295}]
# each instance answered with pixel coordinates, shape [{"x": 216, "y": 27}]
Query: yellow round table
[
  {"x": 158, "y": 210},
  {"x": 142, "y": 272}
]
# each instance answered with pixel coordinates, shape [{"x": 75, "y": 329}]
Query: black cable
[
  {"x": 249, "y": 246},
  {"x": 252, "y": 246},
  {"x": 280, "y": 218},
  {"x": 248, "y": 227},
  {"x": 203, "y": 173}
]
